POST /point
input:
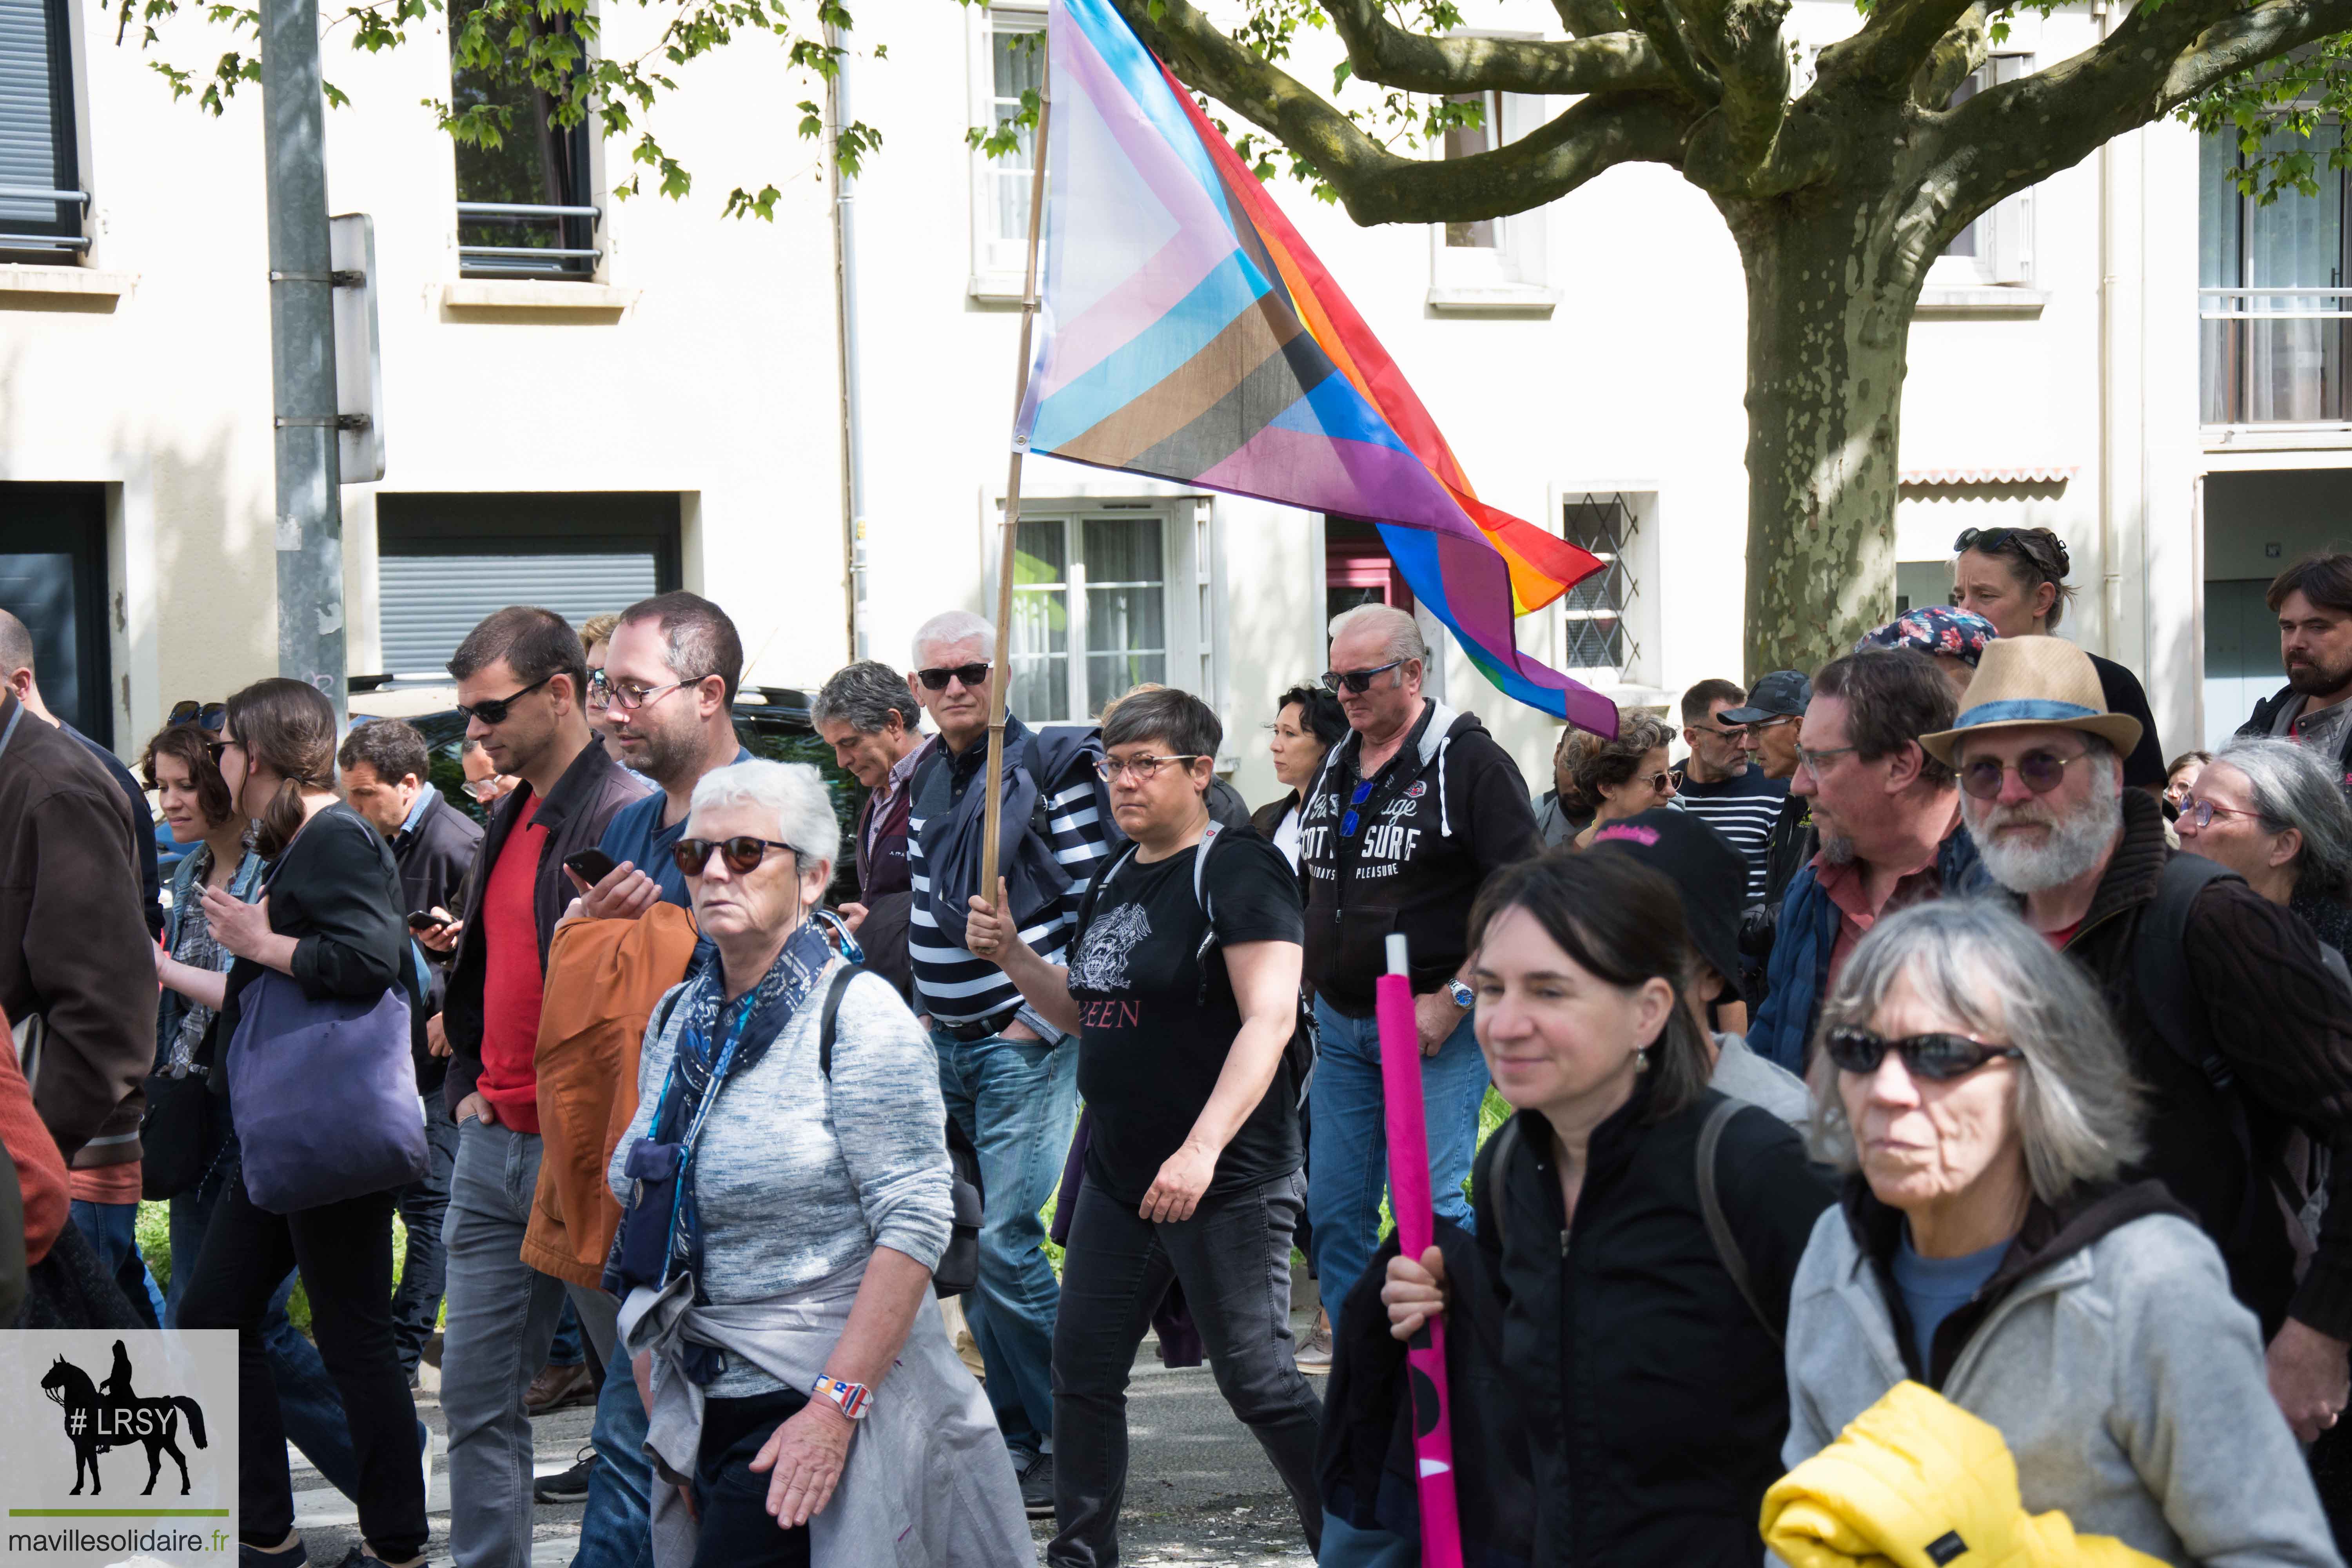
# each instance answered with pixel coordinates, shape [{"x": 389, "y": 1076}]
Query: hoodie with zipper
[
  {"x": 2107, "y": 1349},
  {"x": 1447, "y": 810}
]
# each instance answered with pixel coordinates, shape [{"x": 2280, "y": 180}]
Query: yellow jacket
[{"x": 1917, "y": 1482}]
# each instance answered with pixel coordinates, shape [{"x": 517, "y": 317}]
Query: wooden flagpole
[{"x": 1001, "y": 677}]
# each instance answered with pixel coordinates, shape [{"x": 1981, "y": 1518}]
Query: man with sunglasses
[
  {"x": 1412, "y": 811},
  {"x": 1888, "y": 814},
  {"x": 2235, "y": 1029},
  {"x": 1009, "y": 1083},
  {"x": 522, "y": 680},
  {"x": 1720, "y": 785}
]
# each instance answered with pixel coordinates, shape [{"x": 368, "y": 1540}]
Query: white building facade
[{"x": 587, "y": 399}]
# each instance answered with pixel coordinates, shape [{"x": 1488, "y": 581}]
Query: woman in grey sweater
[
  {"x": 783, "y": 1220},
  {"x": 1986, "y": 1249}
]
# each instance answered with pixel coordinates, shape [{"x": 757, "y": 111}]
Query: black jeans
[
  {"x": 1232, "y": 1257},
  {"x": 737, "y": 1530},
  {"x": 425, "y": 1271},
  {"x": 344, "y": 1251}
]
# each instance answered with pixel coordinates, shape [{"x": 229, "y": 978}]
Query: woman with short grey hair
[
  {"x": 778, "y": 1081},
  {"x": 2273, "y": 812},
  {"x": 1987, "y": 1247}
]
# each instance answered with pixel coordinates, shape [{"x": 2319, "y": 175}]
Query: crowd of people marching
[{"x": 1929, "y": 1107}]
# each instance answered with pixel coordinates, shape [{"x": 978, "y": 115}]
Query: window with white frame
[
  {"x": 1093, "y": 607},
  {"x": 1503, "y": 255},
  {"x": 1009, "y": 61},
  {"x": 1997, "y": 248},
  {"x": 1609, "y": 625}
]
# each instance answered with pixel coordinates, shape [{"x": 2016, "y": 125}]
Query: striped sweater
[{"x": 950, "y": 984}]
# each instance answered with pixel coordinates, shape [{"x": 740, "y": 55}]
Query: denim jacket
[{"x": 245, "y": 887}]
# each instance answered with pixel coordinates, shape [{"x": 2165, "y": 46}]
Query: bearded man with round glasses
[{"x": 2232, "y": 1022}]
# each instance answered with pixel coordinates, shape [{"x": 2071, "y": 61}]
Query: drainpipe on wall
[
  {"x": 2110, "y": 575},
  {"x": 844, "y": 304}
]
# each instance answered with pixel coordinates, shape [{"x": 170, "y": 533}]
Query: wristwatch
[
  {"x": 1462, "y": 995},
  {"x": 854, "y": 1398}
]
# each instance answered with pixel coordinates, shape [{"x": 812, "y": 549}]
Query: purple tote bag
[{"x": 324, "y": 1094}]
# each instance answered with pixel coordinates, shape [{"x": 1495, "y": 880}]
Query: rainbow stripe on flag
[{"x": 1188, "y": 332}]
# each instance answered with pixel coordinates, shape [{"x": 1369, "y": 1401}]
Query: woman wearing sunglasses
[
  {"x": 1988, "y": 1247},
  {"x": 1645, "y": 1374},
  {"x": 783, "y": 1217},
  {"x": 1626, "y": 776}
]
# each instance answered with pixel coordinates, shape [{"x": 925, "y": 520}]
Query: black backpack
[
  {"x": 2286, "y": 1190},
  {"x": 957, "y": 1270},
  {"x": 1298, "y": 1057}
]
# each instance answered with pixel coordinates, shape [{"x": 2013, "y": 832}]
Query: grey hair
[
  {"x": 954, "y": 626},
  {"x": 794, "y": 792},
  {"x": 2079, "y": 1110},
  {"x": 863, "y": 696},
  {"x": 1400, "y": 633},
  {"x": 2293, "y": 788}
]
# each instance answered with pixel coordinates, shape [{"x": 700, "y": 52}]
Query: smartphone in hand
[
  {"x": 426, "y": 919},
  {"x": 593, "y": 865}
]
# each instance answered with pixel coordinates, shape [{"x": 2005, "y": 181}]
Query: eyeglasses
[
  {"x": 1356, "y": 680},
  {"x": 1721, "y": 731},
  {"x": 1812, "y": 760},
  {"x": 1350, "y": 823},
  {"x": 970, "y": 673},
  {"x": 742, "y": 853},
  {"x": 1939, "y": 1057},
  {"x": 1143, "y": 768},
  {"x": 2200, "y": 813},
  {"x": 2033, "y": 542},
  {"x": 626, "y": 695},
  {"x": 1659, "y": 783},
  {"x": 494, "y": 710},
  {"x": 2042, "y": 771},
  {"x": 217, "y": 749},
  {"x": 202, "y": 715},
  {"x": 483, "y": 790}
]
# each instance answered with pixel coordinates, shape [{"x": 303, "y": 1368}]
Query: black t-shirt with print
[{"x": 1150, "y": 1045}]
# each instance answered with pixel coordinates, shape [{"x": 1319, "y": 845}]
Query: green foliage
[
  {"x": 2275, "y": 112},
  {"x": 551, "y": 47},
  {"x": 154, "y": 1240}
]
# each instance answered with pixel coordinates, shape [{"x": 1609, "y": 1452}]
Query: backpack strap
[
  {"x": 1711, "y": 1208},
  {"x": 831, "y": 1015},
  {"x": 2160, "y": 970}
]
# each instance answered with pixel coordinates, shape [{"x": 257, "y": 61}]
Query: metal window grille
[{"x": 1595, "y": 609}]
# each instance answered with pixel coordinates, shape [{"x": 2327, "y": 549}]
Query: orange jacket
[
  {"x": 41, "y": 1169},
  {"x": 603, "y": 979}
]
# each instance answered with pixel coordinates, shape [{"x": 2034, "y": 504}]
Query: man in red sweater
[{"x": 521, "y": 678}]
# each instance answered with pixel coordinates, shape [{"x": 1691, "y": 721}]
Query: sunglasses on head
[
  {"x": 742, "y": 853},
  {"x": 202, "y": 715},
  {"x": 970, "y": 673},
  {"x": 1937, "y": 1057},
  {"x": 1356, "y": 680},
  {"x": 494, "y": 710},
  {"x": 2042, "y": 771},
  {"x": 2030, "y": 541}
]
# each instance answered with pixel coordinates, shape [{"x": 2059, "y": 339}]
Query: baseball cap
[
  {"x": 1783, "y": 694},
  {"x": 1705, "y": 870}
]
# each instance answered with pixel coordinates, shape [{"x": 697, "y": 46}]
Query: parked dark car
[{"x": 772, "y": 721}]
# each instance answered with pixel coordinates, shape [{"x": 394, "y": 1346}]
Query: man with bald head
[
  {"x": 17, "y": 671},
  {"x": 1411, "y": 812}
]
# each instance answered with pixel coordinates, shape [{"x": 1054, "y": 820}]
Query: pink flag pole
[{"x": 1433, "y": 1435}]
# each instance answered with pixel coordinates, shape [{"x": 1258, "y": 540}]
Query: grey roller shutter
[
  {"x": 429, "y": 603},
  {"x": 29, "y": 123}
]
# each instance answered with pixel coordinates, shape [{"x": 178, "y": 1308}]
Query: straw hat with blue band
[{"x": 2023, "y": 681}]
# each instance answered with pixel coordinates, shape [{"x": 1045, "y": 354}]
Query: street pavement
[{"x": 1199, "y": 1489}]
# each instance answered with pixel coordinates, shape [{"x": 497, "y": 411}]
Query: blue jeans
[
  {"x": 616, "y": 1530},
  {"x": 308, "y": 1403},
  {"x": 424, "y": 1204},
  {"x": 1348, "y": 1161},
  {"x": 1017, "y": 1101},
  {"x": 565, "y": 1349},
  {"x": 113, "y": 1231}
]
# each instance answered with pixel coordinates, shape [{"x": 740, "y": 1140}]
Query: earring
[{"x": 1642, "y": 1060}]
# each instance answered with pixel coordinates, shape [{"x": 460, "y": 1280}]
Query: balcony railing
[
  {"x": 563, "y": 230},
  {"x": 2275, "y": 356},
  {"x": 10, "y": 241}
]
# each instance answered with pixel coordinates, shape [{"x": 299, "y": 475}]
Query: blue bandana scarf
[{"x": 718, "y": 1040}]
